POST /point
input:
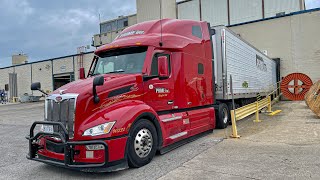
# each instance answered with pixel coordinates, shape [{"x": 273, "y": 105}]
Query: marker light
[{"x": 100, "y": 129}]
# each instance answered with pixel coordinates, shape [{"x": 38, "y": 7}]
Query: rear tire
[
  {"x": 143, "y": 142},
  {"x": 223, "y": 115}
]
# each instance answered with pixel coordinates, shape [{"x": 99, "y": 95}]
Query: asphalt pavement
[
  {"x": 15, "y": 122},
  {"x": 284, "y": 146}
]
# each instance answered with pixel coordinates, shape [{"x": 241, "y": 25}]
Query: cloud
[
  {"x": 311, "y": 4},
  {"x": 49, "y": 29},
  {"x": 71, "y": 19},
  {"x": 19, "y": 10}
]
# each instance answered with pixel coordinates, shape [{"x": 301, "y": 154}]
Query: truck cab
[{"x": 151, "y": 89}]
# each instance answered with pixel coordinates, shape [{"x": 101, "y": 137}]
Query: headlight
[{"x": 100, "y": 129}]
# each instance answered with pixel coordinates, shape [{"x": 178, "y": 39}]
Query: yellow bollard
[
  {"x": 234, "y": 126},
  {"x": 257, "y": 113}
]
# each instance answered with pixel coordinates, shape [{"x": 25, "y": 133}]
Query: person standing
[{"x": 2, "y": 96}]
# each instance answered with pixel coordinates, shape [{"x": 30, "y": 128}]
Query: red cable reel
[{"x": 294, "y": 86}]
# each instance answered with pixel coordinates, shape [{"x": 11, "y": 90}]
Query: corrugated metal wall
[
  {"x": 147, "y": 11},
  {"x": 189, "y": 10},
  {"x": 272, "y": 7},
  {"x": 215, "y": 12},
  {"x": 245, "y": 10},
  {"x": 150, "y": 9}
]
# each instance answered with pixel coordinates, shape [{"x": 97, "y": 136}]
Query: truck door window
[{"x": 154, "y": 65}]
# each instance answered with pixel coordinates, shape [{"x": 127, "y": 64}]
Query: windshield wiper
[{"x": 116, "y": 71}]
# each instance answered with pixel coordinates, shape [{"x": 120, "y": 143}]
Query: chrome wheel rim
[
  {"x": 143, "y": 143},
  {"x": 225, "y": 116}
]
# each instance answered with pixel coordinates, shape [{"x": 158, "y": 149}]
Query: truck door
[{"x": 159, "y": 92}]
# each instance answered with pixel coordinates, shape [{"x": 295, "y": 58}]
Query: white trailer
[{"x": 252, "y": 71}]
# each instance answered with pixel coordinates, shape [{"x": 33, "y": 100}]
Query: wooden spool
[{"x": 312, "y": 98}]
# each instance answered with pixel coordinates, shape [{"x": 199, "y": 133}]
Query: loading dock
[{"x": 62, "y": 79}]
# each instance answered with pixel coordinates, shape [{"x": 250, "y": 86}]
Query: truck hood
[{"x": 111, "y": 81}]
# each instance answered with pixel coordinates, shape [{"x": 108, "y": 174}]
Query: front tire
[
  {"x": 143, "y": 142},
  {"x": 223, "y": 115}
]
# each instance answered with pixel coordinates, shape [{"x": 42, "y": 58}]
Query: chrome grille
[{"x": 63, "y": 112}]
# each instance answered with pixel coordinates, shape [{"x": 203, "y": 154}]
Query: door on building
[
  {"x": 13, "y": 87},
  {"x": 62, "y": 79}
]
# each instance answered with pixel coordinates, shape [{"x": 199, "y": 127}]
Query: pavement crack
[
  {"x": 290, "y": 144},
  {"x": 231, "y": 174}
]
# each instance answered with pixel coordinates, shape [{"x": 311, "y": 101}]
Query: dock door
[{"x": 62, "y": 79}]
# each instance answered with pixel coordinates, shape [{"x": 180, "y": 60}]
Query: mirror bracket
[{"x": 36, "y": 86}]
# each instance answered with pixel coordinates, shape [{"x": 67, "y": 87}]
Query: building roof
[{"x": 52, "y": 59}]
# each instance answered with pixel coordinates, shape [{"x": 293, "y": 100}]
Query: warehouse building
[
  {"x": 278, "y": 28},
  {"x": 216, "y": 12},
  {"x": 52, "y": 73}
]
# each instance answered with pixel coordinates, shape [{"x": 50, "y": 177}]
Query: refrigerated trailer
[
  {"x": 158, "y": 85},
  {"x": 253, "y": 72}
]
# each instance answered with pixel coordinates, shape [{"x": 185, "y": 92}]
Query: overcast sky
[{"x": 46, "y": 29}]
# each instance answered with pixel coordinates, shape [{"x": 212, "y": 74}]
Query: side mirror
[
  {"x": 163, "y": 69},
  {"x": 97, "y": 81},
  {"x": 35, "y": 86}
]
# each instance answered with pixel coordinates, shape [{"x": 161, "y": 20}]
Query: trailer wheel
[
  {"x": 143, "y": 142},
  {"x": 223, "y": 115}
]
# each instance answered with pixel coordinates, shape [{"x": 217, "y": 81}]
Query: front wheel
[{"x": 142, "y": 143}]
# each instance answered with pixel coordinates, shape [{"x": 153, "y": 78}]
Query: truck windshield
[{"x": 127, "y": 61}]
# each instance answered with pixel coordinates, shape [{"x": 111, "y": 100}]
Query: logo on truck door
[
  {"x": 162, "y": 90},
  {"x": 260, "y": 63}
]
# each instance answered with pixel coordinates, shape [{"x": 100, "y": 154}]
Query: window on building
[
  {"x": 122, "y": 23},
  {"x": 105, "y": 27},
  {"x": 114, "y": 26},
  {"x": 200, "y": 68},
  {"x": 125, "y": 23},
  {"x": 196, "y": 31}
]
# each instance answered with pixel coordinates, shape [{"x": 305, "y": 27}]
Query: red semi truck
[{"x": 152, "y": 89}]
